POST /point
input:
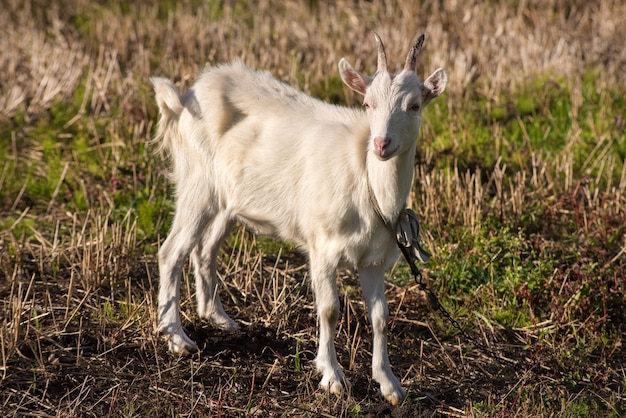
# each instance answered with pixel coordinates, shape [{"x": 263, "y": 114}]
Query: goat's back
[{"x": 279, "y": 161}]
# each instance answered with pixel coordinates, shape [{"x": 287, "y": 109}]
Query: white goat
[{"x": 247, "y": 148}]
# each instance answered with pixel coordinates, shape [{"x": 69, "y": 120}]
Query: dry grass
[{"x": 83, "y": 208}]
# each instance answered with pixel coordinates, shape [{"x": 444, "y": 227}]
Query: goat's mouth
[{"x": 385, "y": 153}]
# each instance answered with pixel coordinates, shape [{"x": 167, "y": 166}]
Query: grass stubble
[{"x": 520, "y": 184}]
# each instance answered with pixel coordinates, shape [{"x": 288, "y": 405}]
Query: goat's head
[{"x": 394, "y": 102}]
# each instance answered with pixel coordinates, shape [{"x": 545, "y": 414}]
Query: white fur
[{"x": 247, "y": 148}]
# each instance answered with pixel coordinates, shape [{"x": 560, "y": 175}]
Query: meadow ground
[{"x": 520, "y": 185}]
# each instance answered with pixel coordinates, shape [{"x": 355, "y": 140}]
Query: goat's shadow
[{"x": 251, "y": 343}]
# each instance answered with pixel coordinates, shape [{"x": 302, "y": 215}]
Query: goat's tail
[{"x": 170, "y": 107}]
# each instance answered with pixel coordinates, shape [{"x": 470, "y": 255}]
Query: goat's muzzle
[{"x": 382, "y": 147}]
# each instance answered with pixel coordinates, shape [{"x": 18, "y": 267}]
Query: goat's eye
[
  {"x": 414, "y": 107},
  {"x": 366, "y": 105}
]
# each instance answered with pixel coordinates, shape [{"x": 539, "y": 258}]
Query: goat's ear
[
  {"x": 352, "y": 78},
  {"x": 434, "y": 85}
]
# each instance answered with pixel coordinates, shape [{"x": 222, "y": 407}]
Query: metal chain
[
  {"x": 433, "y": 300},
  {"x": 407, "y": 249}
]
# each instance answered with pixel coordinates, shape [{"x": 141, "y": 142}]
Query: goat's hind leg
[
  {"x": 183, "y": 237},
  {"x": 204, "y": 257}
]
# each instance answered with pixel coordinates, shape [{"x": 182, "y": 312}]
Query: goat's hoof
[
  {"x": 224, "y": 322},
  {"x": 332, "y": 387},
  {"x": 181, "y": 344},
  {"x": 394, "y": 396},
  {"x": 334, "y": 384},
  {"x": 390, "y": 387}
]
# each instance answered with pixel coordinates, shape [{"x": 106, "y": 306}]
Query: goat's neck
[{"x": 390, "y": 182}]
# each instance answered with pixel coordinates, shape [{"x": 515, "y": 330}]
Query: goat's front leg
[
  {"x": 373, "y": 285},
  {"x": 324, "y": 285}
]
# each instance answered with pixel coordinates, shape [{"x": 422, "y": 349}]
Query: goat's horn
[
  {"x": 382, "y": 57},
  {"x": 411, "y": 58}
]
